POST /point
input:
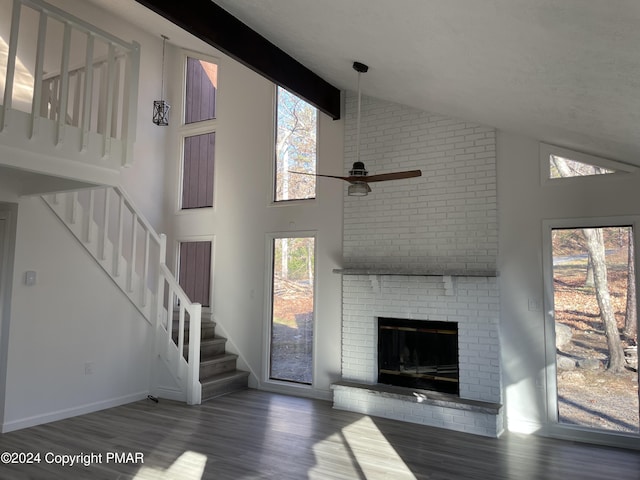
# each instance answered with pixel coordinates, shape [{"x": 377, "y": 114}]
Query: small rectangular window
[
  {"x": 296, "y": 147},
  {"x": 197, "y": 171},
  {"x": 200, "y": 92}
]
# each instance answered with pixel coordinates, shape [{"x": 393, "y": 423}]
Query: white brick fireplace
[
  {"x": 422, "y": 249},
  {"x": 472, "y": 302}
]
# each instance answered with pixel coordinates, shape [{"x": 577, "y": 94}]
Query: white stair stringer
[
  {"x": 107, "y": 260},
  {"x": 150, "y": 296}
]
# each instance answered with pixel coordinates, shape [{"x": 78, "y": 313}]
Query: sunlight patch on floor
[
  {"x": 367, "y": 450},
  {"x": 188, "y": 466}
]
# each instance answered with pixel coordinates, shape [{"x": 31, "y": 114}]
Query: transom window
[{"x": 560, "y": 163}]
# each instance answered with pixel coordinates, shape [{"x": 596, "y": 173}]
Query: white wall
[
  {"x": 244, "y": 216},
  {"x": 524, "y": 203},
  {"x": 72, "y": 317}
]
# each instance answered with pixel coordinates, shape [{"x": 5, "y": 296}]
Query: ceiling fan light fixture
[
  {"x": 358, "y": 189},
  {"x": 358, "y": 170}
]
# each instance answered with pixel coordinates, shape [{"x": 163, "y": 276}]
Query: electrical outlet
[{"x": 88, "y": 368}]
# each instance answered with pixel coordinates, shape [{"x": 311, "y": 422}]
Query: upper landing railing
[{"x": 68, "y": 85}]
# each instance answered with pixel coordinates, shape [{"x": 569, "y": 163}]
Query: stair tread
[
  {"x": 223, "y": 357},
  {"x": 209, "y": 341},
  {"x": 175, "y": 325},
  {"x": 224, "y": 376}
]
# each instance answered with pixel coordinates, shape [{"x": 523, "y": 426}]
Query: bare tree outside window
[
  {"x": 595, "y": 323},
  {"x": 564, "y": 168},
  {"x": 296, "y": 147}
]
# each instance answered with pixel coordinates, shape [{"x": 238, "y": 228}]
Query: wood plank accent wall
[
  {"x": 195, "y": 271},
  {"x": 201, "y": 86},
  {"x": 197, "y": 173}
]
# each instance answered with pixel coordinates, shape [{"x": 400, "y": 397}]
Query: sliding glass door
[{"x": 592, "y": 345}]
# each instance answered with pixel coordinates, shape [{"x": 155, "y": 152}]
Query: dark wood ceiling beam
[{"x": 215, "y": 26}]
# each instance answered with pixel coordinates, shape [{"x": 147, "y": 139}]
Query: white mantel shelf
[{"x": 422, "y": 272}]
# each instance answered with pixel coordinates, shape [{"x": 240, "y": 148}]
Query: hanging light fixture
[
  {"x": 358, "y": 189},
  {"x": 160, "y": 107}
]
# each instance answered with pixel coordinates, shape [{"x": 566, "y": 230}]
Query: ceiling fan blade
[
  {"x": 320, "y": 175},
  {"x": 383, "y": 177}
]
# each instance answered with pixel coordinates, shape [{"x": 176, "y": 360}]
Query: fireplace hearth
[
  {"x": 468, "y": 304},
  {"x": 418, "y": 354}
]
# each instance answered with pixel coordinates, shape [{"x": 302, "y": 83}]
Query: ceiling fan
[{"x": 359, "y": 177}]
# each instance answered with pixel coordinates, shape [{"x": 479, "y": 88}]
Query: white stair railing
[
  {"x": 97, "y": 96},
  {"x": 106, "y": 222}
]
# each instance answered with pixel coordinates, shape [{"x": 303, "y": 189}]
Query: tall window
[
  {"x": 198, "y": 152},
  {"x": 291, "y": 352},
  {"x": 297, "y": 123}
]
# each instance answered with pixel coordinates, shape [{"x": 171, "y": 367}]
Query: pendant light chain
[
  {"x": 164, "y": 41},
  {"x": 160, "y": 107},
  {"x": 360, "y": 68},
  {"x": 358, "y": 120}
]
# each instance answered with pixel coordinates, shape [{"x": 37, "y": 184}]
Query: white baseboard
[
  {"x": 522, "y": 425},
  {"x": 71, "y": 412},
  {"x": 295, "y": 390},
  {"x": 169, "y": 393}
]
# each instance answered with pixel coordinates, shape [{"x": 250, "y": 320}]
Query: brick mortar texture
[
  {"x": 448, "y": 217},
  {"x": 473, "y": 305}
]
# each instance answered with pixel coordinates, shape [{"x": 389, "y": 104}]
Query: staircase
[
  {"x": 218, "y": 373},
  {"x": 107, "y": 224}
]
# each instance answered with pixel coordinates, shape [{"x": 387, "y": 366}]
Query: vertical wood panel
[
  {"x": 195, "y": 271},
  {"x": 201, "y": 85},
  {"x": 198, "y": 171},
  {"x": 209, "y": 171}
]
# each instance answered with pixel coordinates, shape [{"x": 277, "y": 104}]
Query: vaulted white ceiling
[{"x": 565, "y": 72}]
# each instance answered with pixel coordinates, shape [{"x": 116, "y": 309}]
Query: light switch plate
[{"x": 30, "y": 278}]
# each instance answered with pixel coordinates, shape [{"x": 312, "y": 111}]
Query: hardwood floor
[{"x": 260, "y": 435}]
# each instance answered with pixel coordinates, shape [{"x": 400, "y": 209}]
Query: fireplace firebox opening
[{"x": 420, "y": 354}]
